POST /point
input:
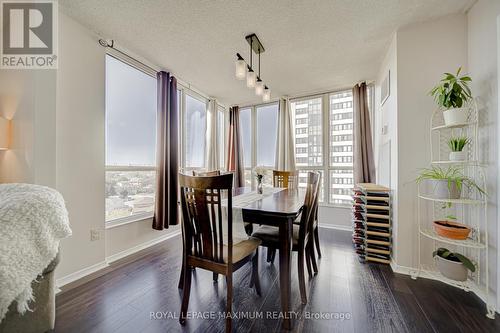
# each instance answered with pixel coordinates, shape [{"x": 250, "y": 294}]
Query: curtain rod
[{"x": 133, "y": 61}]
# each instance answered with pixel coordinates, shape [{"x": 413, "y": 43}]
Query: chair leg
[
  {"x": 302, "y": 282},
  {"x": 313, "y": 258},
  {"x": 316, "y": 241},
  {"x": 181, "y": 278},
  {"x": 215, "y": 277},
  {"x": 308, "y": 261},
  {"x": 229, "y": 302},
  {"x": 185, "y": 296},
  {"x": 255, "y": 272}
]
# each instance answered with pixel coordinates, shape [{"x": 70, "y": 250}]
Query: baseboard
[
  {"x": 137, "y": 248},
  {"x": 80, "y": 274},
  {"x": 336, "y": 226},
  {"x": 73, "y": 277}
]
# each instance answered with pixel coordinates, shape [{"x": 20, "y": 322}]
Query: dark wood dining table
[{"x": 279, "y": 209}]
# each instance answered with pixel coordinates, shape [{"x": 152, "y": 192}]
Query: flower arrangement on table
[{"x": 259, "y": 172}]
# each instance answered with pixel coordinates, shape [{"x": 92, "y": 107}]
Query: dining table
[{"x": 279, "y": 209}]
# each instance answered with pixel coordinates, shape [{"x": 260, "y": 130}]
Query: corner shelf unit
[
  {"x": 371, "y": 216},
  {"x": 470, "y": 209}
]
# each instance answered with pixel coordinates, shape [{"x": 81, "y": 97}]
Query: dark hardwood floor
[{"x": 350, "y": 297}]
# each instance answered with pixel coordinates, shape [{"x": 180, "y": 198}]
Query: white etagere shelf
[{"x": 471, "y": 209}]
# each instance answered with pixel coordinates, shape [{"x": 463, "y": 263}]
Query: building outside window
[{"x": 324, "y": 143}]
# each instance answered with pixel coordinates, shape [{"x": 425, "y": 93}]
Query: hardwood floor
[{"x": 369, "y": 297}]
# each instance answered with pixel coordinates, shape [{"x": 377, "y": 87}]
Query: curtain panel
[
  {"x": 212, "y": 149},
  {"x": 234, "y": 152},
  {"x": 167, "y": 143},
  {"x": 364, "y": 166},
  {"x": 285, "y": 142}
]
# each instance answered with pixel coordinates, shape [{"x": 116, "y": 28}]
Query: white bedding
[{"x": 33, "y": 219}]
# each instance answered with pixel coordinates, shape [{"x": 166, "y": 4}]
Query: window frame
[
  {"x": 325, "y": 127},
  {"x": 253, "y": 138},
  {"x": 140, "y": 216}
]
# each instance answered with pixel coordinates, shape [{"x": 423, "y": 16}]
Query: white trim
[
  {"x": 120, "y": 255},
  {"x": 80, "y": 274},
  {"x": 110, "y": 259},
  {"x": 127, "y": 219},
  {"x": 336, "y": 226}
]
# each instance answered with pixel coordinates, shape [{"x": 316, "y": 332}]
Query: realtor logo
[{"x": 29, "y": 35}]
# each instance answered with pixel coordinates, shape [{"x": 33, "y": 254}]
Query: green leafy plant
[
  {"x": 453, "y": 256},
  {"x": 453, "y": 90},
  {"x": 458, "y": 143},
  {"x": 452, "y": 174}
]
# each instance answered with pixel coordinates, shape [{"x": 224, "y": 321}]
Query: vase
[{"x": 259, "y": 185}]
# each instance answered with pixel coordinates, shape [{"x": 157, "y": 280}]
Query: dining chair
[
  {"x": 203, "y": 236},
  {"x": 302, "y": 235},
  {"x": 206, "y": 173},
  {"x": 285, "y": 179}
]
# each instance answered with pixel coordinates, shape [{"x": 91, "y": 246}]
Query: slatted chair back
[
  {"x": 285, "y": 179},
  {"x": 202, "y": 215},
  {"x": 206, "y": 173},
  {"x": 310, "y": 207}
]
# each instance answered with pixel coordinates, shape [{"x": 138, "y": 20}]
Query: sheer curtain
[
  {"x": 167, "y": 163},
  {"x": 364, "y": 166},
  {"x": 285, "y": 142},
  {"x": 212, "y": 148},
  {"x": 234, "y": 148}
]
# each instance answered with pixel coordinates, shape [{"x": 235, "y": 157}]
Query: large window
[
  {"x": 324, "y": 143},
  {"x": 130, "y": 141},
  {"x": 259, "y": 128}
]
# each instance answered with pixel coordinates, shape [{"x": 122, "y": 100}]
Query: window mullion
[{"x": 326, "y": 148}]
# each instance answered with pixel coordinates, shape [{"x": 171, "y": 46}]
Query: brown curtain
[
  {"x": 235, "y": 153},
  {"x": 167, "y": 119},
  {"x": 364, "y": 166}
]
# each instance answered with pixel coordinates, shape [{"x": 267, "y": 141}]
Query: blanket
[{"x": 33, "y": 219}]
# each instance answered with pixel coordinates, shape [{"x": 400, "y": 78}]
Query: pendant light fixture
[
  {"x": 241, "y": 67},
  {"x": 243, "y": 70}
]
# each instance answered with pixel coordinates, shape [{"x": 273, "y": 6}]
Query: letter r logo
[{"x": 28, "y": 28}]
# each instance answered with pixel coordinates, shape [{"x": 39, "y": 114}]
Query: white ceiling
[{"x": 311, "y": 46}]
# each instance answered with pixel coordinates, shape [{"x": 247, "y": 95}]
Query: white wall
[
  {"x": 424, "y": 52},
  {"x": 483, "y": 56},
  {"x": 27, "y": 97},
  {"x": 386, "y": 132}
]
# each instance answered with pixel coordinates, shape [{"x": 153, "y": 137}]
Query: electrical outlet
[{"x": 95, "y": 235}]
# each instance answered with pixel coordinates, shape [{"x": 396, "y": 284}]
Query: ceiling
[{"x": 311, "y": 46}]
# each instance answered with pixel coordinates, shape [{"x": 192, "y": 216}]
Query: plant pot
[
  {"x": 452, "y": 230},
  {"x": 442, "y": 191},
  {"x": 453, "y": 270},
  {"x": 455, "y": 116},
  {"x": 458, "y": 156}
]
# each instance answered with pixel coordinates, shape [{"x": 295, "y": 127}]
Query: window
[
  {"x": 259, "y": 129},
  {"x": 324, "y": 143},
  {"x": 194, "y": 129},
  {"x": 130, "y": 141}
]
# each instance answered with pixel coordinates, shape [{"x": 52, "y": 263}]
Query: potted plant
[
  {"x": 456, "y": 146},
  {"x": 451, "y": 94},
  {"x": 259, "y": 174},
  {"x": 453, "y": 265},
  {"x": 448, "y": 227},
  {"x": 447, "y": 183}
]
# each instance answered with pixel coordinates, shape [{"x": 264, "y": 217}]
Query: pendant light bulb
[
  {"x": 251, "y": 78},
  {"x": 259, "y": 87},
  {"x": 241, "y": 69},
  {"x": 266, "y": 97}
]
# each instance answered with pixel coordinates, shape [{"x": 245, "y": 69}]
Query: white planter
[
  {"x": 458, "y": 156},
  {"x": 451, "y": 269},
  {"x": 442, "y": 191},
  {"x": 455, "y": 116}
]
